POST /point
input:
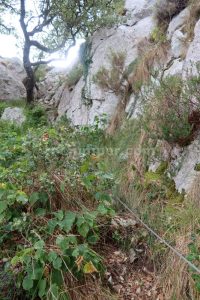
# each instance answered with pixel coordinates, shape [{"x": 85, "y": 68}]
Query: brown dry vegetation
[
  {"x": 151, "y": 55},
  {"x": 194, "y": 14}
]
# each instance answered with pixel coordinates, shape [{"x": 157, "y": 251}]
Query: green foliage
[
  {"x": 197, "y": 167},
  {"x": 170, "y": 110},
  {"x": 158, "y": 36},
  {"x": 36, "y": 116},
  {"x": 194, "y": 257},
  {"x": 54, "y": 192}
]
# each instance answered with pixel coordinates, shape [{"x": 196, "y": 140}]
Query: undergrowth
[{"x": 54, "y": 196}]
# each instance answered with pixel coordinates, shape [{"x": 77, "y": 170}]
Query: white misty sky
[{"x": 9, "y": 48}]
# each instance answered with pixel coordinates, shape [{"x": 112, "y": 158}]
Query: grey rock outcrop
[
  {"x": 184, "y": 166},
  {"x": 11, "y": 76},
  {"x": 14, "y": 115},
  {"x": 193, "y": 54}
]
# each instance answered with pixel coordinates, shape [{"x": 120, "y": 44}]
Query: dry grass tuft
[
  {"x": 151, "y": 55},
  {"x": 119, "y": 114},
  {"x": 176, "y": 280},
  {"x": 194, "y": 193},
  {"x": 193, "y": 17}
]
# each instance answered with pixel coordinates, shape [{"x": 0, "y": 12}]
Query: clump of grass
[
  {"x": 151, "y": 54},
  {"x": 170, "y": 112},
  {"x": 193, "y": 17},
  {"x": 112, "y": 78}
]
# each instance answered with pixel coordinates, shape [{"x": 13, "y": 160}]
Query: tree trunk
[{"x": 30, "y": 80}]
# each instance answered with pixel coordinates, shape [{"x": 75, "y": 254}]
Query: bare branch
[
  {"x": 43, "y": 62},
  {"x": 46, "y": 49}
]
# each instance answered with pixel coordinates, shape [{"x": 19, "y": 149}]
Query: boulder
[
  {"x": 11, "y": 76},
  {"x": 138, "y": 9},
  {"x": 184, "y": 166},
  {"x": 14, "y": 115},
  {"x": 178, "y": 44},
  {"x": 176, "y": 68},
  {"x": 177, "y": 22}
]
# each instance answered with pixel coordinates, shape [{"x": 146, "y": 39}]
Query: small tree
[{"x": 52, "y": 25}]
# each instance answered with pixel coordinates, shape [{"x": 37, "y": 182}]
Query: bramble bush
[{"x": 54, "y": 194}]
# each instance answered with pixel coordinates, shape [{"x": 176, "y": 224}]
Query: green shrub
[
  {"x": 36, "y": 116},
  {"x": 53, "y": 195},
  {"x": 158, "y": 36},
  {"x": 3, "y": 105},
  {"x": 170, "y": 110}
]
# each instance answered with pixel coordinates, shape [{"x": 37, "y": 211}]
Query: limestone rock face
[
  {"x": 122, "y": 39},
  {"x": 14, "y": 115},
  {"x": 175, "y": 69},
  {"x": 193, "y": 54},
  {"x": 138, "y": 9},
  {"x": 177, "y": 22},
  {"x": 11, "y": 76},
  {"x": 184, "y": 166}
]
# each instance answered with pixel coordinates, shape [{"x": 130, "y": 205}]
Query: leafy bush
[
  {"x": 171, "y": 113},
  {"x": 54, "y": 192},
  {"x": 36, "y": 116}
]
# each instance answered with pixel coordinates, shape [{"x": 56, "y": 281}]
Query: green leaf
[
  {"x": 52, "y": 256},
  {"x": 57, "y": 277},
  {"x": 83, "y": 229},
  {"x": 22, "y": 198},
  {"x": 3, "y": 206},
  {"x": 59, "y": 215},
  {"x": 40, "y": 212},
  {"x": 52, "y": 225},
  {"x": 57, "y": 263},
  {"x": 39, "y": 245},
  {"x": 27, "y": 283},
  {"x": 62, "y": 187},
  {"x": 68, "y": 221},
  {"x": 42, "y": 287},
  {"x": 34, "y": 198},
  {"x": 80, "y": 221},
  {"x": 2, "y": 192},
  {"x": 36, "y": 274},
  {"x": 93, "y": 239},
  {"x": 54, "y": 291}
]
